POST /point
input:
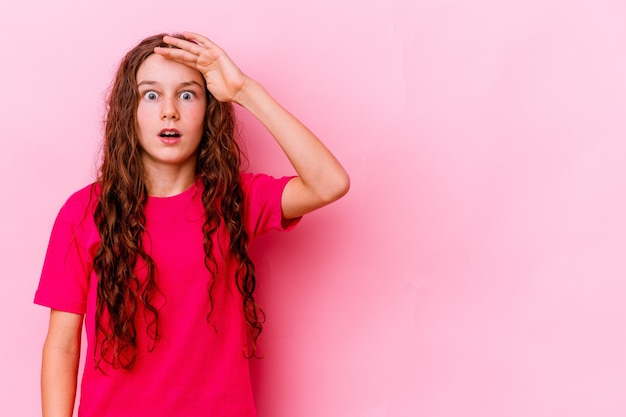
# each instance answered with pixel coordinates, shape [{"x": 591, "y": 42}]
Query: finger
[
  {"x": 192, "y": 47},
  {"x": 178, "y": 55},
  {"x": 202, "y": 40}
]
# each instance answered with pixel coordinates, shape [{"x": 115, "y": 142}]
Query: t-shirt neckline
[{"x": 176, "y": 198}]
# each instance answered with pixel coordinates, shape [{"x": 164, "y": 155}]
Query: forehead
[{"x": 164, "y": 71}]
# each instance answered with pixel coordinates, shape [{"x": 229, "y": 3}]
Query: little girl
[{"x": 154, "y": 255}]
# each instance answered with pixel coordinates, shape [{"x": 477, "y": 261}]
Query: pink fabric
[{"x": 197, "y": 368}]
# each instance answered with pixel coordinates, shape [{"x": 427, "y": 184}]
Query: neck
[{"x": 169, "y": 181}]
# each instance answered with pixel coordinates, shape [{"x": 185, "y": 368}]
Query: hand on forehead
[{"x": 223, "y": 78}]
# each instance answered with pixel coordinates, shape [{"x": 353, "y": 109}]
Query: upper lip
[{"x": 170, "y": 131}]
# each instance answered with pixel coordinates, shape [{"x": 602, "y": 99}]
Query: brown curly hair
[{"x": 119, "y": 217}]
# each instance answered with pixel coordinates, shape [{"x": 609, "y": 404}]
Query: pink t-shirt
[{"x": 197, "y": 368}]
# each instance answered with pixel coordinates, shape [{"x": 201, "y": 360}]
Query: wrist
[{"x": 245, "y": 96}]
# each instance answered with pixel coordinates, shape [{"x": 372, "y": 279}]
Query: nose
[{"x": 169, "y": 109}]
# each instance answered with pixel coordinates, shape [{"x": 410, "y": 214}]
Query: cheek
[
  {"x": 142, "y": 116},
  {"x": 199, "y": 115}
]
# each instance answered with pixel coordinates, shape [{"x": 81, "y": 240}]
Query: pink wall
[{"x": 478, "y": 265}]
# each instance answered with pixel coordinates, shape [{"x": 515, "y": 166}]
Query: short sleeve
[
  {"x": 263, "y": 196},
  {"x": 68, "y": 264}
]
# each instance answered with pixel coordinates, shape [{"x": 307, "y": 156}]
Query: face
[{"x": 170, "y": 114}]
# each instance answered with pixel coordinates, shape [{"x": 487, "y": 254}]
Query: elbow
[
  {"x": 343, "y": 185},
  {"x": 337, "y": 188}
]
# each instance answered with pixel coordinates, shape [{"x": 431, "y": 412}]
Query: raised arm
[
  {"x": 59, "y": 368},
  {"x": 321, "y": 178}
]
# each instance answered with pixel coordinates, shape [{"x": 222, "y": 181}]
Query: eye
[
  {"x": 150, "y": 95},
  {"x": 187, "y": 95}
]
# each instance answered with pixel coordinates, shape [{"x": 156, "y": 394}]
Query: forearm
[
  {"x": 58, "y": 381},
  {"x": 59, "y": 369},
  {"x": 316, "y": 166}
]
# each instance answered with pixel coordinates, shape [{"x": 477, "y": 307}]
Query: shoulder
[
  {"x": 253, "y": 183},
  {"x": 263, "y": 203},
  {"x": 81, "y": 204},
  {"x": 85, "y": 195}
]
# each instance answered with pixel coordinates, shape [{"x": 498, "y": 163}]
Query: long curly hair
[{"x": 120, "y": 219}]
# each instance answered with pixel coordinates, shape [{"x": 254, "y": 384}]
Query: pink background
[{"x": 476, "y": 268}]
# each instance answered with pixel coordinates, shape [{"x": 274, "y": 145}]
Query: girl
[{"x": 153, "y": 255}]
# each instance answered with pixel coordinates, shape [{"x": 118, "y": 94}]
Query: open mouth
[{"x": 169, "y": 134}]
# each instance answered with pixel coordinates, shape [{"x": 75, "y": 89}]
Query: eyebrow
[{"x": 183, "y": 84}]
